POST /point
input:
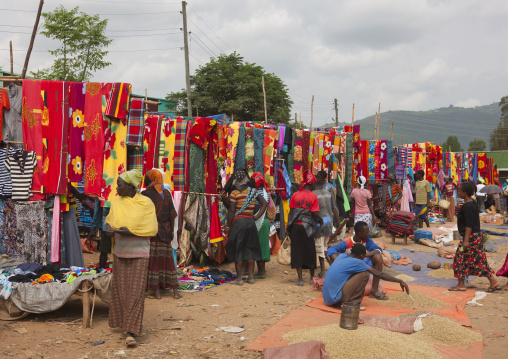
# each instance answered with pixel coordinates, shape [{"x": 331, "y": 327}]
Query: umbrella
[{"x": 491, "y": 188}]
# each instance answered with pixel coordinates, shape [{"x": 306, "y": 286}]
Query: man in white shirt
[{"x": 480, "y": 197}]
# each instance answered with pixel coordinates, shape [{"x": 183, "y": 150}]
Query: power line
[
  {"x": 196, "y": 58},
  {"x": 124, "y": 14},
  {"x": 197, "y": 38},
  {"x": 133, "y": 2},
  {"x": 142, "y": 30},
  {"x": 222, "y": 52},
  {"x": 204, "y": 22},
  {"x": 145, "y": 35},
  {"x": 159, "y": 49}
]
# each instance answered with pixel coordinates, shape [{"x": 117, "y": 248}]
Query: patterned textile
[
  {"x": 5, "y": 175},
  {"x": 291, "y": 154},
  {"x": 356, "y": 135},
  {"x": 298, "y": 156},
  {"x": 372, "y": 162},
  {"x": 383, "y": 159},
  {"x": 9, "y": 244},
  {"x": 31, "y": 232},
  {"x": 94, "y": 138},
  {"x": 390, "y": 157},
  {"x": 482, "y": 163},
  {"x": 161, "y": 266},
  {"x": 349, "y": 164},
  {"x": 196, "y": 168},
  {"x": 222, "y": 142},
  {"x": 118, "y": 102},
  {"x": 128, "y": 294},
  {"x": 377, "y": 161},
  {"x": 211, "y": 162},
  {"x": 259, "y": 135},
  {"x": 185, "y": 249},
  {"x": 240, "y": 149},
  {"x": 32, "y": 118},
  {"x": 167, "y": 142},
  {"x": 136, "y": 122},
  {"x": 327, "y": 150},
  {"x": 268, "y": 148},
  {"x": 342, "y": 159},
  {"x": 364, "y": 217},
  {"x": 76, "y": 131},
  {"x": 249, "y": 150},
  {"x": 399, "y": 172},
  {"x": 232, "y": 143},
  {"x": 178, "y": 168},
  {"x": 315, "y": 153},
  {"x": 151, "y": 139},
  {"x": 115, "y": 158},
  {"x": 401, "y": 224},
  {"x": 334, "y": 161},
  {"x": 135, "y": 158},
  {"x": 472, "y": 262},
  {"x": 305, "y": 150}
]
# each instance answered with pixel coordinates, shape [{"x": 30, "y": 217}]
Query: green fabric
[
  {"x": 347, "y": 207},
  {"x": 291, "y": 156},
  {"x": 264, "y": 240},
  {"x": 196, "y": 168}
]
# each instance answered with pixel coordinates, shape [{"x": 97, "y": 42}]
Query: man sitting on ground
[
  {"x": 347, "y": 277},
  {"x": 373, "y": 257}
]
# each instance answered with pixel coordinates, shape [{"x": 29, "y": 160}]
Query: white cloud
[{"x": 471, "y": 102}]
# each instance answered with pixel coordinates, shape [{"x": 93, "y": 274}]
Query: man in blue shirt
[
  {"x": 373, "y": 256},
  {"x": 348, "y": 276}
]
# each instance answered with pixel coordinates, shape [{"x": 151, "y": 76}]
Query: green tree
[
  {"x": 499, "y": 137},
  {"x": 82, "y": 40},
  {"x": 453, "y": 143},
  {"x": 477, "y": 145},
  {"x": 230, "y": 85}
]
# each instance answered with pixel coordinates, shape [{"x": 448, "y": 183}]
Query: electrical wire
[
  {"x": 197, "y": 38},
  {"x": 124, "y": 14},
  {"x": 145, "y": 35},
  {"x": 190, "y": 19},
  {"x": 204, "y": 22}
]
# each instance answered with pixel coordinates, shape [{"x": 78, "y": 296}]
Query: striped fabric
[
  {"x": 401, "y": 224},
  {"x": 21, "y": 165},
  {"x": 118, "y": 102},
  {"x": 134, "y": 158},
  {"x": 5, "y": 175},
  {"x": 136, "y": 122},
  {"x": 151, "y": 137},
  {"x": 178, "y": 177}
]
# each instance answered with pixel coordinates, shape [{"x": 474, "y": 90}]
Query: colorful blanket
[
  {"x": 136, "y": 122},
  {"x": 118, "y": 101},
  {"x": 76, "y": 131}
]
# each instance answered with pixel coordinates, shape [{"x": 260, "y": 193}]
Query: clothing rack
[{"x": 204, "y": 194}]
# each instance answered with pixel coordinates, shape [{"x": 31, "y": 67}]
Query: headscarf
[
  {"x": 239, "y": 181},
  {"x": 260, "y": 179},
  {"x": 392, "y": 177},
  {"x": 481, "y": 180},
  {"x": 308, "y": 178},
  {"x": 132, "y": 177},
  {"x": 156, "y": 181},
  {"x": 361, "y": 181}
]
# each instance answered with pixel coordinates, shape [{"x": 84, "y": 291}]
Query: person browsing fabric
[
  {"x": 243, "y": 240},
  {"x": 362, "y": 203},
  {"x": 480, "y": 196},
  {"x": 422, "y": 200},
  {"x": 133, "y": 220},
  {"x": 263, "y": 226},
  {"x": 327, "y": 211},
  {"x": 348, "y": 276},
  {"x": 470, "y": 258},
  {"x": 449, "y": 191},
  {"x": 373, "y": 257},
  {"x": 303, "y": 215},
  {"x": 161, "y": 264}
]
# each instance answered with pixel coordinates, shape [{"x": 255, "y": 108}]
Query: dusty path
[{"x": 185, "y": 328}]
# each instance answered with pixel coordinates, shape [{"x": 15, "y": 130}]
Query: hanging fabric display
[
  {"x": 249, "y": 150},
  {"x": 76, "y": 131},
  {"x": 31, "y": 232},
  {"x": 118, "y": 101},
  {"x": 151, "y": 138},
  {"x": 136, "y": 122},
  {"x": 178, "y": 174}
]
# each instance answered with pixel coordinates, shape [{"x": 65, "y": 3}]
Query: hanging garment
[
  {"x": 9, "y": 244},
  {"x": 178, "y": 171},
  {"x": 72, "y": 242},
  {"x": 268, "y": 153},
  {"x": 298, "y": 156},
  {"x": 12, "y": 128},
  {"x": 289, "y": 136},
  {"x": 249, "y": 151},
  {"x": 168, "y": 137},
  {"x": 118, "y": 102},
  {"x": 76, "y": 131},
  {"x": 94, "y": 138},
  {"x": 241, "y": 149},
  {"x": 115, "y": 158},
  {"x": 305, "y": 150},
  {"x": 327, "y": 150},
  {"x": 349, "y": 164},
  {"x": 315, "y": 153},
  {"x": 406, "y": 196},
  {"x": 5, "y": 175},
  {"x": 185, "y": 249},
  {"x": 21, "y": 165},
  {"x": 196, "y": 168},
  {"x": 383, "y": 159},
  {"x": 310, "y": 160},
  {"x": 211, "y": 162},
  {"x": 135, "y": 158},
  {"x": 215, "y": 226},
  {"x": 32, "y": 117},
  {"x": 56, "y": 232},
  {"x": 232, "y": 142},
  {"x": 390, "y": 158},
  {"x": 258, "y": 149},
  {"x": 151, "y": 138},
  {"x": 136, "y": 122},
  {"x": 31, "y": 232}
]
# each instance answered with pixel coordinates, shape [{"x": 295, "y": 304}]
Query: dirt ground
[{"x": 186, "y": 328}]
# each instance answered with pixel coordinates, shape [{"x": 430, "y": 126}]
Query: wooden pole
[
  {"x": 296, "y": 119},
  {"x": 402, "y": 140},
  {"x": 264, "y": 97},
  {"x": 311, "y": 112},
  {"x": 85, "y": 287},
  {"x": 391, "y": 134},
  {"x": 34, "y": 31},
  {"x": 12, "y": 59},
  {"x": 186, "y": 50},
  {"x": 300, "y": 120},
  {"x": 197, "y": 113},
  {"x": 353, "y": 118},
  {"x": 375, "y": 127},
  {"x": 336, "y": 112},
  {"x": 146, "y": 94},
  {"x": 378, "y": 120}
]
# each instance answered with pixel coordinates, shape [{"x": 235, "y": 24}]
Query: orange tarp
[{"x": 454, "y": 303}]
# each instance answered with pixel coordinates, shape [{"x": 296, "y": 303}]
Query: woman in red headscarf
[
  {"x": 161, "y": 265},
  {"x": 303, "y": 215},
  {"x": 263, "y": 226}
]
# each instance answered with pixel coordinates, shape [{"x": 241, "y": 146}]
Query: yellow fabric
[
  {"x": 232, "y": 138},
  {"x": 169, "y": 148},
  {"x": 285, "y": 205},
  {"x": 137, "y": 214},
  {"x": 453, "y": 166}
]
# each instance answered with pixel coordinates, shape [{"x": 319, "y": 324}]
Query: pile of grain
[
  {"x": 441, "y": 330},
  {"x": 417, "y": 313},
  {"x": 401, "y": 299},
  {"x": 405, "y": 278},
  {"x": 365, "y": 342},
  {"x": 442, "y": 273}
]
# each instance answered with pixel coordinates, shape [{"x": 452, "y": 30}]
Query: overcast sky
[{"x": 406, "y": 54}]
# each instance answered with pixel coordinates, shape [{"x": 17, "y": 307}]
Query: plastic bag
[
  {"x": 375, "y": 232},
  {"x": 284, "y": 254}
]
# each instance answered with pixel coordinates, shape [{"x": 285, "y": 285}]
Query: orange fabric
[
  {"x": 302, "y": 318},
  {"x": 455, "y": 311},
  {"x": 275, "y": 244}
]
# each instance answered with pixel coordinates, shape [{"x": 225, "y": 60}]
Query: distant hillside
[{"x": 435, "y": 125}]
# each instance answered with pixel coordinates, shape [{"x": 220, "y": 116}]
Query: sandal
[
  {"x": 152, "y": 297},
  {"x": 320, "y": 275},
  {"x": 495, "y": 289},
  {"x": 260, "y": 276},
  {"x": 130, "y": 341},
  {"x": 300, "y": 283},
  {"x": 378, "y": 296},
  {"x": 456, "y": 289},
  {"x": 238, "y": 282},
  {"x": 250, "y": 281}
]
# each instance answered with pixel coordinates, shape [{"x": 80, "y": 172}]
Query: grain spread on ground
[
  {"x": 417, "y": 313},
  {"x": 365, "y": 342},
  {"x": 401, "y": 299},
  {"x": 405, "y": 277},
  {"x": 441, "y": 273},
  {"x": 441, "y": 330}
]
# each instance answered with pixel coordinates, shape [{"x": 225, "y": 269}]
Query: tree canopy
[
  {"x": 229, "y": 85},
  {"x": 477, "y": 145},
  {"x": 82, "y": 40},
  {"x": 499, "y": 137},
  {"x": 452, "y": 142}
]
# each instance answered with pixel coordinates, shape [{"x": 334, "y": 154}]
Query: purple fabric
[{"x": 76, "y": 129}]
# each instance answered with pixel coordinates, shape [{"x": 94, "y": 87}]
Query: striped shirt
[
  {"x": 395, "y": 191},
  {"x": 239, "y": 198},
  {"x": 5, "y": 175},
  {"x": 21, "y": 165},
  {"x": 131, "y": 246},
  {"x": 422, "y": 188}
]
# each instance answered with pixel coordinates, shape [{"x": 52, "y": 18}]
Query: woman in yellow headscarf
[{"x": 133, "y": 220}]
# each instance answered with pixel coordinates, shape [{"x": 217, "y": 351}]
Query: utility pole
[
  {"x": 264, "y": 97},
  {"x": 336, "y": 112},
  {"x": 30, "y": 47},
  {"x": 186, "y": 50},
  {"x": 296, "y": 119},
  {"x": 311, "y": 112},
  {"x": 12, "y": 59}
]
